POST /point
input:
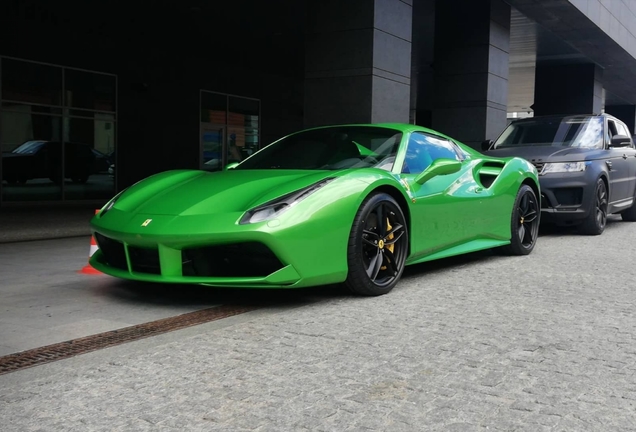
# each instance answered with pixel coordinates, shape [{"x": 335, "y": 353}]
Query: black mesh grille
[
  {"x": 113, "y": 251},
  {"x": 144, "y": 260},
  {"x": 569, "y": 196},
  {"x": 251, "y": 259}
]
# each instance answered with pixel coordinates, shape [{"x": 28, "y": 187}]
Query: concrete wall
[
  {"x": 358, "y": 61},
  {"x": 617, "y": 18}
]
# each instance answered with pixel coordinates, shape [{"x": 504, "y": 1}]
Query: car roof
[{"x": 564, "y": 116}]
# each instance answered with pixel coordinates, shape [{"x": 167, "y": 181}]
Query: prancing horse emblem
[{"x": 146, "y": 222}]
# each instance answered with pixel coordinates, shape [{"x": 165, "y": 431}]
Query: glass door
[
  {"x": 212, "y": 144},
  {"x": 229, "y": 129}
]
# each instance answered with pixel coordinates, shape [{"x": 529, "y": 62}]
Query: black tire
[
  {"x": 524, "y": 222},
  {"x": 375, "y": 261},
  {"x": 629, "y": 215},
  {"x": 594, "y": 223}
]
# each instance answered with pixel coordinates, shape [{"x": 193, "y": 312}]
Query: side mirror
[
  {"x": 230, "y": 166},
  {"x": 486, "y": 144},
  {"x": 620, "y": 141},
  {"x": 441, "y": 166}
]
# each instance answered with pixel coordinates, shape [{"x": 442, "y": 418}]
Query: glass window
[
  {"x": 89, "y": 90},
  {"x": 31, "y": 156},
  {"x": 213, "y": 108},
  {"x": 34, "y": 109},
  {"x": 423, "y": 149},
  {"x": 622, "y": 129},
  {"x": 56, "y": 146},
  {"x": 229, "y": 129},
  {"x": 331, "y": 148},
  {"x": 90, "y": 152},
  {"x": 32, "y": 83},
  {"x": 242, "y": 128},
  {"x": 574, "y": 131}
]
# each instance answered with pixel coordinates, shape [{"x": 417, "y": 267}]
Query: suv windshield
[
  {"x": 579, "y": 132},
  {"x": 330, "y": 148}
]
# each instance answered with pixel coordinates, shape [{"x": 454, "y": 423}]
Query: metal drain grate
[{"x": 71, "y": 348}]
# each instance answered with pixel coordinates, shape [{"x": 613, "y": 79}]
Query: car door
[
  {"x": 629, "y": 154},
  {"x": 620, "y": 165},
  {"x": 439, "y": 214}
]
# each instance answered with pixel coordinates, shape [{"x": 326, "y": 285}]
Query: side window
[
  {"x": 423, "y": 149},
  {"x": 611, "y": 130},
  {"x": 622, "y": 129}
]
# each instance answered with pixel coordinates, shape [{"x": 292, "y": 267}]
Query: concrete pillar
[
  {"x": 358, "y": 61},
  {"x": 422, "y": 57},
  {"x": 626, "y": 113},
  {"x": 471, "y": 68},
  {"x": 568, "y": 89}
]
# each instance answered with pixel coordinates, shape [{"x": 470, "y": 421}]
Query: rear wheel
[
  {"x": 378, "y": 245},
  {"x": 524, "y": 223},
  {"x": 594, "y": 223}
]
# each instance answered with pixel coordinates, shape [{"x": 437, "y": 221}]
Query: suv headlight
[
  {"x": 564, "y": 167},
  {"x": 277, "y": 206}
]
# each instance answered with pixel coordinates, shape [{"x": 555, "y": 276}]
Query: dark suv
[{"x": 586, "y": 164}]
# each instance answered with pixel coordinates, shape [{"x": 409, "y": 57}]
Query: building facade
[{"x": 95, "y": 96}]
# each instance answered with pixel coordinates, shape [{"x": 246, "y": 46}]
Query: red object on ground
[{"x": 89, "y": 269}]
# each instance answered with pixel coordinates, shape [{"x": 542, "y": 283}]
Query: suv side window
[
  {"x": 616, "y": 128},
  {"x": 622, "y": 129},
  {"x": 423, "y": 149},
  {"x": 611, "y": 130}
]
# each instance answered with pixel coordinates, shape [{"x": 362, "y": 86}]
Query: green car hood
[{"x": 193, "y": 192}]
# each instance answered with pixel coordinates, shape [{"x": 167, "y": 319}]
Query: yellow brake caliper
[{"x": 389, "y": 237}]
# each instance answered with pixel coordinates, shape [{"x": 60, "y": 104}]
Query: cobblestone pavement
[{"x": 484, "y": 342}]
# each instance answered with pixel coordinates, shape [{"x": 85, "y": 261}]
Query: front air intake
[
  {"x": 113, "y": 251},
  {"x": 250, "y": 259}
]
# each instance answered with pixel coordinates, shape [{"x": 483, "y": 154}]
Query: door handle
[
  {"x": 624, "y": 156},
  {"x": 479, "y": 189}
]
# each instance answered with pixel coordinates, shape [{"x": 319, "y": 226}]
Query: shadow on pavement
[{"x": 187, "y": 295}]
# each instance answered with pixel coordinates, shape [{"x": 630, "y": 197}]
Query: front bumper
[
  {"x": 567, "y": 198},
  {"x": 196, "y": 250}
]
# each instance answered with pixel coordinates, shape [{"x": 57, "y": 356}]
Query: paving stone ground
[{"x": 478, "y": 343}]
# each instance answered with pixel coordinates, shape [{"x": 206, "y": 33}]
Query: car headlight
[
  {"x": 109, "y": 205},
  {"x": 564, "y": 167},
  {"x": 277, "y": 206}
]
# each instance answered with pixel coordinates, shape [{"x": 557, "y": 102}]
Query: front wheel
[
  {"x": 524, "y": 223},
  {"x": 378, "y": 245},
  {"x": 594, "y": 223}
]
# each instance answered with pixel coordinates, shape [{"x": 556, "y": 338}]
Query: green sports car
[{"x": 348, "y": 204}]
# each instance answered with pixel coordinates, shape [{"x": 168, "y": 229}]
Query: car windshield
[
  {"x": 578, "y": 132},
  {"x": 28, "y": 147},
  {"x": 330, "y": 148}
]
